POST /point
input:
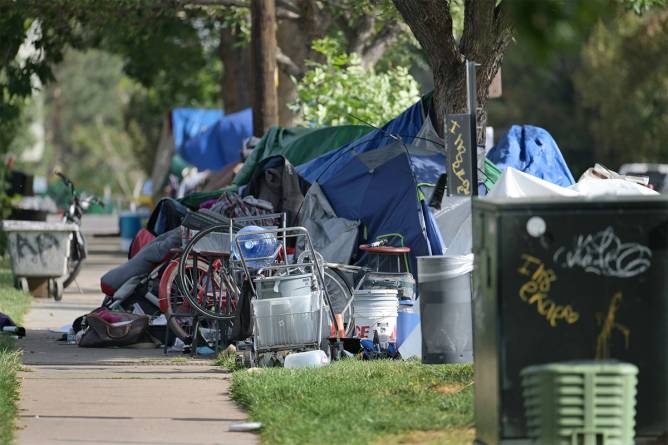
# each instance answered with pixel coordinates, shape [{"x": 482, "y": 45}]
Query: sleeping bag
[{"x": 152, "y": 255}]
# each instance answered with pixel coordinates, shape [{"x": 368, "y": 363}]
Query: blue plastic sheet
[{"x": 532, "y": 150}]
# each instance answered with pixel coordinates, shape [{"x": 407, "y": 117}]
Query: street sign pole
[{"x": 461, "y": 143}]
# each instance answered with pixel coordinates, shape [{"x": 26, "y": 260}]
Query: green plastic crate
[{"x": 580, "y": 403}]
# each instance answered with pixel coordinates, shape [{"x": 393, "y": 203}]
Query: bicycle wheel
[
  {"x": 213, "y": 293},
  {"x": 74, "y": 263}
]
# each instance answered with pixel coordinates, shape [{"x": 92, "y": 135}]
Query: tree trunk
[
  {"x": 235, "y": 84},
  {"x": 486, "y": 35},
  {"x": 295, "y": 39},
  {"x": 292, "y": 41},
  {"x": 263, "y": 44},
  {"x": 54, "y": 130}
]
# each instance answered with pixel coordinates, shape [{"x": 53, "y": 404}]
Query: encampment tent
[
  {"x": 179, "y": 126},
  {"x": 219, "y": 145},
  {"x": 376, "y": 180},
  {"x": 189, "y": 122}
]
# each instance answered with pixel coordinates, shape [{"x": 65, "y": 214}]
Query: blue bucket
[{"x": 129, "y": 223}]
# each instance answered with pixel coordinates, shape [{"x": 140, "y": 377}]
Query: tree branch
[
  {"x": 431, "y": 23},
  {"x": 285, "y": 11},
  {"x": 361, "y": 33},
  {"x": 287, "y": 65},
  {"x": 233, "y": 3},
  {"x": 374, "y": 50},
  {"x": 287, "y": 5}
]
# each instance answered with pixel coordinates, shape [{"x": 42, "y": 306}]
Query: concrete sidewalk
[{"x": 112, "y": 396}]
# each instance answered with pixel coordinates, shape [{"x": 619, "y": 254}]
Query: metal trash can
[
  {"x": 445, "y": 308},
  {"x": 39, "y": 250}
]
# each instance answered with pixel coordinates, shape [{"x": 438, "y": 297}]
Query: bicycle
[{"x": 73, "y": 213}]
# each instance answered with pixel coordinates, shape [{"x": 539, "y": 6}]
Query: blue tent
[
  {"x": 188, "y": 122},
  {"x": 532, "y": 150},
  {"x": 376, "y": 178},
  {"x": 219, "y": 144}
]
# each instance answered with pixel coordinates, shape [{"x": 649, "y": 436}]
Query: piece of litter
[
  {"x": 158, "y": 321},
  {"x": 61, "y": 330},
  {"x": 243, "y": 427},
  {"x": 205, "y": 350}
]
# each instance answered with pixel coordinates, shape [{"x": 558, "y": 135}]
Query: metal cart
[{"x": 289, "y": 293}]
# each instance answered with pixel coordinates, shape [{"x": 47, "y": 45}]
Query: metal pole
[{"x": 471, "y": 100}]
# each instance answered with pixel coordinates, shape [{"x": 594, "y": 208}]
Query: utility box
[{"x": 561, "y": 279}]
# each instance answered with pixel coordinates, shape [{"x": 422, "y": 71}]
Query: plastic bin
[
  {"x": 445, "y": 308},
  {"x": 284, "y": 286},
  {"x": 287, "y": 321},
  {"x": 583, "y": 403}
]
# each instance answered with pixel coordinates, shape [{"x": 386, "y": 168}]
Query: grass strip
[
  {"x": 360, "y": 402},
  {"x": 15, "y": 304}
]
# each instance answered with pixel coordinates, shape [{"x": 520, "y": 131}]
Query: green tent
[{"x": 297, "y": 145}]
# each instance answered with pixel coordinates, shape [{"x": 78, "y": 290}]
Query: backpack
[{"x": 125, "y": 329}]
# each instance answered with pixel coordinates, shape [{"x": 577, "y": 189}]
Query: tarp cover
[
  {"x": 515, "y": 184},
  {"x": 297, "y": 145},
  {"x": 532, "y": 150},
  {"x": 454, "y": 223},
  {"x": 220, "y": 144},
  {"x": 188, "y": 122},
  {"x": 333, "y": 237}
]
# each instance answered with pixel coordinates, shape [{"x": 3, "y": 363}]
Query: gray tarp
[
  {"x": 333, "y": 237},
  {"x": 454, "y": 223}
]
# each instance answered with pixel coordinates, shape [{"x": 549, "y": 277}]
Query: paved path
[{"x": 113, "y": 396}]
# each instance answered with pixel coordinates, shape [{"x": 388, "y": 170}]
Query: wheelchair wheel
[
  {"x": 211, "y": 291},
  {"x": 173, "y": 301}
]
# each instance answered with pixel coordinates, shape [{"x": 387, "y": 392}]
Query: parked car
[{"x": 657, "y": 174}]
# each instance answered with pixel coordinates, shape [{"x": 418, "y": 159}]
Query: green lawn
[
  {"x": 15, "y": 304},
  {"x": 359, "y": 402}
]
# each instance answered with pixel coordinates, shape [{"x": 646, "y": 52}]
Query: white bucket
[{"x": 376, "y": 310}]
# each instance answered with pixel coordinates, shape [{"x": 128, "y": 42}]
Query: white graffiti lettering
[{"x": 603, "y": 253}]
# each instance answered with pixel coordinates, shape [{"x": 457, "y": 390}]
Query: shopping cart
[
  {"x": 290, "y": 301},
  {"x": 205, "y": 299}
]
